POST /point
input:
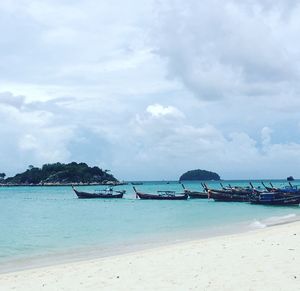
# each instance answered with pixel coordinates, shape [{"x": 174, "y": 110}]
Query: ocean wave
[
  {"x": 281, "y": 219},
  {"x": 257, "y": 224},
  {"x": 274, "y": 220}
]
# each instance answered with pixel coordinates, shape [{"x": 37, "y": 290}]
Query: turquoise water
[{"x": 47, "y": 220}]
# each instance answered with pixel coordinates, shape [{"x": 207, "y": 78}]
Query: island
[
  {"x": 61, "y": 174},
  {"x": 199, "y": 175}
]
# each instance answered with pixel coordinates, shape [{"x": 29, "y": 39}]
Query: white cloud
[
  {"x": 30, "y": 135},
  {"x": 6, "y": 98},
  {"x": 160, "y": 148},
  {"x": 240, "y": 49},
  {"x": 114, "y": 84},
  {"x": 266, "y": 136},
  {"x": 158, "y": 110}
]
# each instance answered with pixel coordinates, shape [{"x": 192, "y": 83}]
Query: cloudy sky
[{"x": 150, "y": 89}]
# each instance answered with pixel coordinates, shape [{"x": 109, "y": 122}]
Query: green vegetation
[
  {"x": 199, "y": 175},
  {"x": 59, "y": 173}
]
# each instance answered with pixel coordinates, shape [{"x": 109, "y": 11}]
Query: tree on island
[
  {"x": 199, "y": 175},
  {"x": 62, "y": 174}
]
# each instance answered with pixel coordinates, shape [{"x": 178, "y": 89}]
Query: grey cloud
[
  {"x": 230, "y": 51},
  {"x": 45, "y": 38},
  {"x": 31, "y": 134},
  {"x": 170, "y": 147},
  {"x": 89, "y": 68},
  {"x": 9, "y": 99},
  {"x": 56, "y": 106}
]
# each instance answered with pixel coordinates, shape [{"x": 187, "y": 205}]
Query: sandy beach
[{"x": 266, "y": 259}]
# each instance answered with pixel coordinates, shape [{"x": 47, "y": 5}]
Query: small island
[
  {"x": 61, "y": 174},
  {"x": 198, "y": 174}
]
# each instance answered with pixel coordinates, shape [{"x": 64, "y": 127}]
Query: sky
[{"x": 151, "y": 89}]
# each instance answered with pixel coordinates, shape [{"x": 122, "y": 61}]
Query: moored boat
[
  {"x": 285, "y": 189},
  {"x": 275, "y": 198},
  {"x": 269, "y": 189},
  {"x": 161, "y": 195},
  {"x": 195, "y": 194},
  {"x": 106, "y": 193},
  {"x": 228, "y": 196},
  {"x": 231, "y": 194}
]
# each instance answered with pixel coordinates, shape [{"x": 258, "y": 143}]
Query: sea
[{"x": 46, "y": 225}]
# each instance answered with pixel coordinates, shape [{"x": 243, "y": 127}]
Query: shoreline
[
  {"x": 129, "y": 182},
  {"x": 263, "y": 259},
  {"x": 77, "y": 255}
]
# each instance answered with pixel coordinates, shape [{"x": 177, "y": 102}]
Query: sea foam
[
  {"x": 256, "y": 224},
  {"x": 274, "y": 220}
]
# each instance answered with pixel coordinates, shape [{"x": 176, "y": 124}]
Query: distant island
[
  {"x": 199, "y": 175},
  {"x": 61, "y": 174}
]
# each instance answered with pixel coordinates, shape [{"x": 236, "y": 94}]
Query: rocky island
[
  {"x": 199, "y": 175},
  {"x": 61, "y": 174}
]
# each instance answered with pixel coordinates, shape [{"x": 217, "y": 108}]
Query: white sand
[{"x": 267, "y": 259}]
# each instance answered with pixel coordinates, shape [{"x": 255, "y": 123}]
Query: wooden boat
[
  {"x": 275, "y": 198},
  {"x": 269, "y": 189},
  {"x": 290, "y": 189},
  {"x": 226, "y": 188},
  {"x": 107, "y": 194},
  {"x": 286, "y": 189},
  {"x": 236, "y": 189},
  {"x": 231, "y": 194},
  {"x": 228, "y": 196},
  {"x": 195, "y": 194},
  {"x": 161, "y": 195}
]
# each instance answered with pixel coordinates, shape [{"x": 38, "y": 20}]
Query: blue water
[{"x": 47, "y": 220}]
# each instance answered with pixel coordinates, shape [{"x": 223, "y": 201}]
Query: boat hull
[
  {"x": 278, "y": 203},
  {"x": 280, "y": 199},
  {"x": 197, "y": 195},
  {"x": 86, "y": 195},
  {"x": 223, "y": 196},
  {"x": 160, "y": 197}
]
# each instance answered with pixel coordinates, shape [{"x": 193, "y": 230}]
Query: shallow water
[{"x": 48, "y": 220}]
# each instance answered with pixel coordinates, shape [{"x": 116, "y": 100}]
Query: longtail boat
[
  {"x": 231, "y": 194},
  {"x": 106, "y": 193},
  {"x": 290, "y": 189},
  {"x": 161, "y": 195},
  {"x": 228, "y": 196},
  {"x": 286, "y": 189},
  {"x": 269, "y": 189},
  {"x": 275, "y": 198},
  {"x": 195, "y": 194}
]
